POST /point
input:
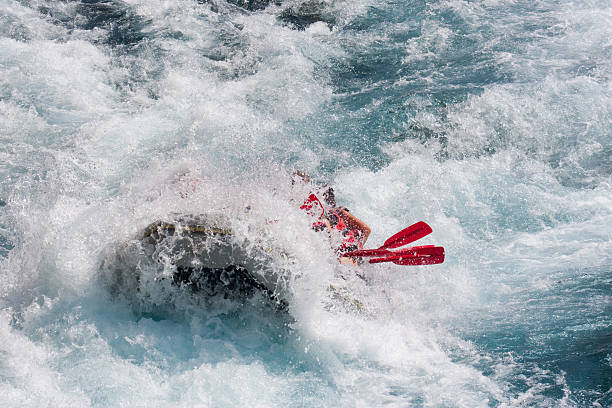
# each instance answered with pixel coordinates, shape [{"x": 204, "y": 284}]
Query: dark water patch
[
  {"x": 422, "y": 133},
  {"x": 5, "y": 246},
  {"x": 253, "y": 5},
  {"x": 586, "y": 363},
  {"x": 309, "y": 12},
  {"x": 560, "y": 335},
  {"x": 589, "y": 170},
  {"x": 123, "y": 27},
  {"x": 582, "y": 360},
  {"x": 249, "y": 5}
]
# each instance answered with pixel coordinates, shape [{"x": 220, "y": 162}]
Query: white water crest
[{"x": 490, "y": 120}]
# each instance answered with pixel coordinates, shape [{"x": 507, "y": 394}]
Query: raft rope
[{"x": 163, "y": 226}]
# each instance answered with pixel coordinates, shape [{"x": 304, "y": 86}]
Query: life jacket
[
  {"x": 348, "y": 237},
  {"x": 313, "y": 207}
]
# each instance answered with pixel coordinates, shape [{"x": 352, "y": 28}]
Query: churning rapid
[{"x": 488, "y": 119}]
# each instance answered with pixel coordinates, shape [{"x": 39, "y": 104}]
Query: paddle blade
[
  {"x": 408, "y": 235},
  {"x": 424, "y": 250},
  {"x": 423, "y": 255},
  {"x": 421, "y": 260},
  {"x": 367, "y": 252},
  {"x": 419, "y": 250}
]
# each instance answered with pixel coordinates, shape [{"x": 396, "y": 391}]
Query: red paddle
[
  {"x": 405, "y": 236},
  {"x": 419, "y": 260},
  {"x": 408, "y": 235},
  {"x": 423, "y": 255}
]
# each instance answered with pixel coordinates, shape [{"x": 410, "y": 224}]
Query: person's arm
[{"x": 355, "y": 223}]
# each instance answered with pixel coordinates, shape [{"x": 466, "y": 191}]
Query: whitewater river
[{"x": 488, "y": 119}]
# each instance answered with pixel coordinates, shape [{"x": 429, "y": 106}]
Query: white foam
[{"x": 97, "y": 153}]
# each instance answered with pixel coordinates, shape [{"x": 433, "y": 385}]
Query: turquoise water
[{"x": 488, "y": 119}]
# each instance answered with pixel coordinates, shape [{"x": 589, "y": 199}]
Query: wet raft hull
[
  {"x": 204, "y": 257},
  {"x": 197, "y": 254}
]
